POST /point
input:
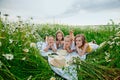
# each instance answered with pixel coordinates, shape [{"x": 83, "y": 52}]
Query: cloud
[
  {"x": 57, "y": 8},
  {"x": 87, "y": 6},
  {"x": 39, "y": 8}
]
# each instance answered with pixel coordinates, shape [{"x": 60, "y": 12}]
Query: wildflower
[
  {"x": 10, "y": 40},
  {"x": 39, "y": 45},
  {"x": 27, "y": 34},
  {"x": 107, "y": 54},
  {"x": 0, "y": 44},
  {"x": 3, "y": 30},
  {"x": 118, "y": 34},
  {"x": 111, "y": 47},
  {"x": 107, "y": 57},
  {"x": 112, "y": 43},
  {"x": 9, "y": 66},
  {"x": 33, "y": 45},
  {"x": 94, "y": 59},
  {"x": 29, "y": 78},
  {"x": 74, "y": 60},
  {"x": 52, "y": 78},
  {"x": 117, "y": 28},
  {"x": 32, "y": 31},
  {"x": 116, "y": 38},
  {"x": 118, "y": 43},
  {"x": 8, "y": 56},
  {"x": 70, "y": 61},
  {"x": 109, "y": 42},
  {"x": 26, "y": 50},
  {"x": 0, "y": 64},
  {"x": 24, "y": 58},
  {"x": 102, "y": 44}
]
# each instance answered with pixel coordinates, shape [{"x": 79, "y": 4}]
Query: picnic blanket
[
  {"x": 60, "y": 62},
  {"x": 61, "y": 65}
]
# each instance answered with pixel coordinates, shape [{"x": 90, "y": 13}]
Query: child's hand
[
  {"x": 69, "y": 50},
  {"x": 51, "y": 44},
  {"x": 66, "y": 46},
  {"x": 48, "y": 46},
  {"x": 53, "y": 48},
  {"x": 77, "y": 48}
]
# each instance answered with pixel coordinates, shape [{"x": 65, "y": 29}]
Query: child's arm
[
  {"x": 46, "y": 49},
  {"x": 57, "y": 44},
  {"x": 54, "y": 48},
  {"x": 71, "y": 35},
  {"x": 83, "y": 51},
  {"x": 67, "y": 47},
  {"x": 69, "y": 50}
]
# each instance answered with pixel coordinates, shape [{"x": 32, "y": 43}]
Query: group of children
[{"x": 69, "y": 43}]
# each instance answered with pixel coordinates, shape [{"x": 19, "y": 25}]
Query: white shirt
[{"x": 72, "y": 46}]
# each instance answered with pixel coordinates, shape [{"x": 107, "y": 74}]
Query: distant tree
[{"x": 6, "y": 15}]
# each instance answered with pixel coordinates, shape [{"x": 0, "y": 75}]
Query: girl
[
  {"x": 82, "y": 47},
  {"x": 68, "y": 44},
  {"x": 49, "y": 45},
  {"x": 59, "y": 39}
]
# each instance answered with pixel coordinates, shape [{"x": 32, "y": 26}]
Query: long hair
[
  {"x": 59, "y": 31},
  {"x": 82, "y": 37}
]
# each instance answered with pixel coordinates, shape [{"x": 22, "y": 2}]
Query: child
[
  {"x": 59, "y": 39},
  {"x": 82, "y": 47},
  {"x": 68, "y": 44},
  {"x": 71, "y": 34},
  {"x": 49, "y": 45}
]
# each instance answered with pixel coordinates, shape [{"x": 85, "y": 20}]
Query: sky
[{"x": 73, "y": 12}]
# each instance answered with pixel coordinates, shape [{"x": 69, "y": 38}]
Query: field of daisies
[{"x": 20, "y": 58}]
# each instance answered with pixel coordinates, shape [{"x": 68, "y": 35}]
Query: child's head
[
  {"x": 59, "y": 35},
  {"x": 80, "y": 40},
  {"x": 50, "y": 39},
  {"x": 67, "y": 40}
]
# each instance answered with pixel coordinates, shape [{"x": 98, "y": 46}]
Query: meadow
[{"x": 20, "y": 59}]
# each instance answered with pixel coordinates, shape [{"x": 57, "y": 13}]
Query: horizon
[{"x": 71, "y": 12}]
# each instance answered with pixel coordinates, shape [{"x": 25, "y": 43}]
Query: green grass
[{"x": 16, "y": 38}]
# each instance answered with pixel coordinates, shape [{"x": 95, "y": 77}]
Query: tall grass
[
  {"x": 19, "y": 42},
  {"x": 24, "y": 62}
]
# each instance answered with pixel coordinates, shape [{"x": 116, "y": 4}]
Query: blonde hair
[
  {"x": 68, "y": 36},
  {"x": 50, "y": 36}
]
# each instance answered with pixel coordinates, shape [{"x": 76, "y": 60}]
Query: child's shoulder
[{"x": 86, "y": 44}]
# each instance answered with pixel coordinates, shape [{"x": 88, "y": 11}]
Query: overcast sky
[{"x": 80, "y": 12}]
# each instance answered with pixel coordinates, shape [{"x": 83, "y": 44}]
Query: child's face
[
  {"x": 59, "y": 36},
  {"x": 50, "y": 40},
  {"x": 67, "y": 41},
  {"x": 78, "y": 41}
]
